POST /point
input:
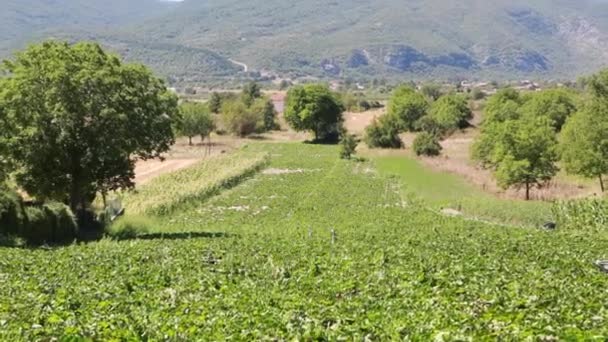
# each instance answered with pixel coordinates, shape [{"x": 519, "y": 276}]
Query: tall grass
[
  {"x": 197, "y": 183},
  {"x": 588, "y": 214}
]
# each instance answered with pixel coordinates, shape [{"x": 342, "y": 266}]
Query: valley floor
[{"x": 313, "y": 247}]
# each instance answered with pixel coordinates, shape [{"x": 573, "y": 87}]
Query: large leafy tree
[
  {"x": 195, "y": 120},
  {"x": 524, "y": 153},
  {"x": 408, "y": 106},
  {"x": 82, "y": 119},
  {"x": 502, "y": 106},
  {"x": 451, "y": 112},
  {"x": 316, "y": 108},
  {"x": 555, "y": 104},
  {"x": 584, "y": 142}
]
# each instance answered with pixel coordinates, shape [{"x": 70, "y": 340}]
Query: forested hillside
[{"x": 385, "y": 38}]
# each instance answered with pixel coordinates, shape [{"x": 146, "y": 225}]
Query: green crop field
[{"x": 259, "y": 261}]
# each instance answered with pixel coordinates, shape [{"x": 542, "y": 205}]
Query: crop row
[{"x": 207, "y": 178}]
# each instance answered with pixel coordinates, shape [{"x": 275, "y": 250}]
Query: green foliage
[
  {"x": 584, "y": 142},
  {"x": 431, "y": 91},
  {"x": 408, "y": 106},
  {"x": 265, "y": 108},
  {"x": 348, "y": 145},
  {"x": 251, "y": 92},
  {"x": 478, "y": 94},
  {"x": 129, "y": 227},
  {"x": 451, "y": 112},
  {"x": 215, "y": 103},
  {"x": 194, "y": 184},
  {"x": 524, "y": 153},
  {"x": 581, "y": 215},
  {"x": 502, "y": 106},
  {"x": 49, "y": 223},
  {"x": 241, "y": 120},
  {"x": 82, "y": 119},
  {"x": 383, "y": 133},
  {"x": 313, "y": 107},
  {"x": 258, "y": 262},
  {"x": 427, "y": 144},
  {"x": 195, "y": 120},
  {"x": 555, "y": 104},
  {"x": 12, "y": 213}
]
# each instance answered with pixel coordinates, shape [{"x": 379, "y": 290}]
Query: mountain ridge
[{"x": 351, "y": 38}]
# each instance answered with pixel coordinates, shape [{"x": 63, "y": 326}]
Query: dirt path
[{"x": 242, "y": 65}]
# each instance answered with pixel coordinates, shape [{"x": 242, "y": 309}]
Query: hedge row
[{"x": 37, "y": 224}]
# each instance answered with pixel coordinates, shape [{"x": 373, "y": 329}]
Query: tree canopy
[
  {"x": 555, "y": 104},
  {"x": 524, "y": 153},
  {"x": 584, "y": 142},
  {"x": 408, "y": 106},
  {"x": 195, "y": 120},
  {"x": 81, "y": 119},
  {"x": 451, "y": 112},
  {"x": 315, "y": 108},
  {"x": 502, "y": 106},
  {"x": 251, "y": 92}
]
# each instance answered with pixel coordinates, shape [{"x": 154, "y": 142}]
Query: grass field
[
  {"x": 260, "y": 262},
  {"x": 440, "y": 190}
]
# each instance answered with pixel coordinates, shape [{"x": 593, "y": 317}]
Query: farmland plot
[{"x": 333, "y": 251}]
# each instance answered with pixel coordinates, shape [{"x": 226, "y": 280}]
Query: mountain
[{"x": 196, "y": 39}]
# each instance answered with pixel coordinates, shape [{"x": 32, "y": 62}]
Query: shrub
[
  {"x": 429, "y": 125},
  {"x": 129, "y": 227},
  {"x": 383, "y": 133},
  {"x": 12, "y": 213},
  {"x": 53, "y": 222},
  {"x": 426, "y": 144},
  {"x": 240, "y": 120},
  {"x": 348, "y": 145}
]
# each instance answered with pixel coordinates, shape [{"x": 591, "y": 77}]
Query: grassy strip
[
  {"x": 444, "y": 190},
  {"x": 197, "y": 183}
]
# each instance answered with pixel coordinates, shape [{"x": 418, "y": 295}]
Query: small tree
[
  {"x": 265, "y": 108},
  {"x": 195, "y": 120},
  {"x": 427, "y": 144},
  {"x": 82, "y": 119},
  {"x": 348, "y": 145},
  {"x": 524, "y": 153},
  {"x": 215, "y": 103},
  {"x": 408, "y": 106},
  {"x": 314, "y": 107},
  {"x": 584, "y": 143},
  {"x": 451, "y": 112},
  {"x": 431, "y": 91},
  {"x": 383, "y": 133},
  {"x": 251, "y": 92}
]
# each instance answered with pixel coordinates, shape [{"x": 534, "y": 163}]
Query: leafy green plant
[
  {"x": 426, "y": 144},
  {"x": 581, "y": 215},
  {"x": 129, "y": 227},
  {"x": 348, "y": 146},
  {"x": 383, "y": 133}
]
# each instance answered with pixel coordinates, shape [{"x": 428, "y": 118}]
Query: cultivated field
[{"x": 317, "y": 248}]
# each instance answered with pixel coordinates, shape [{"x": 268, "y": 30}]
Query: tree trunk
[
  {"x": 602, "y": 184},
  {"x": 190, "y": 141},
  {"x": 527, "y": 191}
]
